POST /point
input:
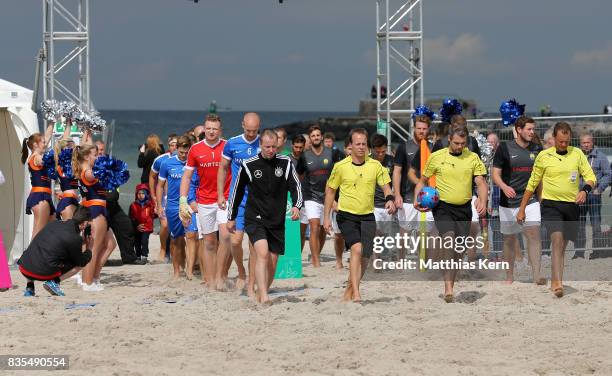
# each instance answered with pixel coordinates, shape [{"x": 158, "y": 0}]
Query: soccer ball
[{"x": 428, "y": 197}]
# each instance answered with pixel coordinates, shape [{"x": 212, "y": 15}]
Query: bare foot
[
  {"x": 348, "y": 294},
  {"x": 508, "y": 281},
  {"x": 189, "y": 276},
  {"x": 339, "y": 266},
  {"x": 240, "y": 283},
  {"x": 541, "y": 281},
  {"x": 356, "y": 297},
  {"x": 252, "y": 295},
  {"x": 449, "y": 298},
  {"x": 176, "y": 276},
  {"x": 558, "y": 292}
]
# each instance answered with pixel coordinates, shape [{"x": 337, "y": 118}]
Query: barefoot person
[
  {"x": 204, "y": 159},
  {"x": 454, "y": 167},
  {"x": 170, "y": 176},
  {"x": 160, "y": 210},
  {"x": 315, "y": 165},
  {"x": 512, "y": 166},
  {"x": 559, "y": 169},
  {"x": 269, "y": 177},
  {"x": 39, "y": 201},
  {"x": 56, "y": 253},
  {"x": 356, "y": 177},
  {"x": 236, "y": 150}
]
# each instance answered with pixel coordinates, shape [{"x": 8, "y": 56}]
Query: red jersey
[{"x": 206, "y": 160}]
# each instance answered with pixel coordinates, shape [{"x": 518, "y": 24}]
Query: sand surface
[{"x": 144, "y": 324}]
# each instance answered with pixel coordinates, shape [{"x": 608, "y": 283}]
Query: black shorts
[
  {"x": 561, "y": 216},
  {"x": 357, "y": 229},
  {"x": 274, "y": 236},
  {"x": 455, "y": 218}
]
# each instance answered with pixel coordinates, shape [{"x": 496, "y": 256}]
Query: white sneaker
[
  {"x": 100, "y": 285},
  {"x": 92, "y": 288}
]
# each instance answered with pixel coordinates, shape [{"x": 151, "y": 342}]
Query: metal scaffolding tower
[
  {"x": 399, "y": 63},
  {"x": 66, "y": 51}
]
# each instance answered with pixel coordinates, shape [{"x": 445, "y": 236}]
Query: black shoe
[
  {"x": 141, "y": 261},
  {"x": 135, "y": 261}
]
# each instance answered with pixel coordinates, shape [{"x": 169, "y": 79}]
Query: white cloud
[
  {"x": 466, "y": 48},
  {"x": 598, "y": 56}
]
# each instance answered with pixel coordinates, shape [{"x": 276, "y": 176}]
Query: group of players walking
[{"x": 215, "y": 190}]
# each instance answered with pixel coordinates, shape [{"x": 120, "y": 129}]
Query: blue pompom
[
  {"x": 64, "y": 161},
  {"x": 49, "y": 164},
  {"x": 423, "y": 110},
  {"x": 450, "y": 107},
  {"x": 111, "y": 172},
  {"x": 510, "y": 111}
]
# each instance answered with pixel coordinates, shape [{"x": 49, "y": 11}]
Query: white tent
[{"x": 17, "y": 121}]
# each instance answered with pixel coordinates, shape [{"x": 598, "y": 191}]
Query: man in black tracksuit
[
  {"x": 270, "y": 177},
  {"x": 56, "y": 253}
]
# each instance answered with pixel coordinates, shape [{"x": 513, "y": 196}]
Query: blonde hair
[
  {"x": 78, "y": 157},
  {"x": 153, "y": 143},
  {"x": 58, "y": 147}
]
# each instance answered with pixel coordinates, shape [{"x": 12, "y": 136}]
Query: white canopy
[{"x": 17, "y": 121}]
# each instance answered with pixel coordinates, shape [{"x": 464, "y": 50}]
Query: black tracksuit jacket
[{"x": 268, "y": 180}]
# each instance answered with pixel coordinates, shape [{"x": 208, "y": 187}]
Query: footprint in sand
[{"x": 469, "y": 297}]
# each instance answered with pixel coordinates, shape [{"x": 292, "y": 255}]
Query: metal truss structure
[
  {"x": 399, "y": 63},
  {"x": 66, "y": 51}
]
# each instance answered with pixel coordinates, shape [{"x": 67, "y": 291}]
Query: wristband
[
  {"x": 587, "y": 188},
  {"x": 183, "y": 200},
  {"x": 390, "y": 198}
]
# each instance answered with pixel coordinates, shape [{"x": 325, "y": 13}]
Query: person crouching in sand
[{"x": 59, "y": 251}]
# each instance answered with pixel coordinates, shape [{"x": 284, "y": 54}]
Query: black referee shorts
[
  {"x": 455, "y": 218},
  {"x": 357, "y": 228},
  {"x": 275, "y": 237},
  {"x": 561, "y": 216}
]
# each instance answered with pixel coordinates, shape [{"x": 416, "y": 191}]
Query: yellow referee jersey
[
  {"x": 454, "y": 174},
  {"x": 357, "y": 184},
  {"x": 560, "y": 174}
]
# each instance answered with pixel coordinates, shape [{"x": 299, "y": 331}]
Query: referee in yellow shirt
[
  {"x": 559, "y": 168},
  {"x": 455, "y": 168},
  {"x": 356, "y": 176}
]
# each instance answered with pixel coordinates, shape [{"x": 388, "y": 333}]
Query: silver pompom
[
  {"x": 51, "y": 110},
  {"x": 69, "y": 109},
  {"x": 486, "y": 150},
  {"x": 97, "y": 124}
]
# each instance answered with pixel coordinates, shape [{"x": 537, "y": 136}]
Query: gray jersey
[
  {"x": 379, "y": 195},
  {"x": 516, "y": 164},
  {"x": 403, "y": 158},
  {"x": 316, "y": 170}
]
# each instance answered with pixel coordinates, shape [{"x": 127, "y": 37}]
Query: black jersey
[
  {"x": 516, "y": 164},
  {"x": 316, "y": 170},
  {"x": 268, "y": 181}
]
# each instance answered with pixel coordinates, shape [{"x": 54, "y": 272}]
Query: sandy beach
[{"x": 144, "y": 324}]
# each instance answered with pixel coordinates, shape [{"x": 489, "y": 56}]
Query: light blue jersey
[
  {"x": 171, "y": 170},
  {"x": 158, "y": 161},
  {"x": 236, "y": 150}
]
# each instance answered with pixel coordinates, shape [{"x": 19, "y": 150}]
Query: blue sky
[{"x": 318, "y": 55}]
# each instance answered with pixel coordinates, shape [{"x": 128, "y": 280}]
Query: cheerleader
[
  {"x": 94, "y": 197},
  {"x": 39, "y": 201},
  {"x": 68, "y": 183}
]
